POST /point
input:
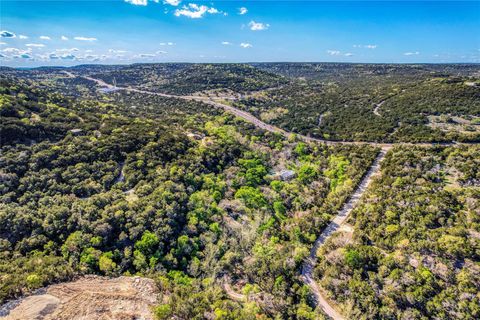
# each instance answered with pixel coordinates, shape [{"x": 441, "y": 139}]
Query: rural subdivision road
[{"x": 334, "y": 225}]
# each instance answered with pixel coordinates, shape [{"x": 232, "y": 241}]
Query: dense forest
[
  {"x": 186, "y": 78},
  {"x": 385, "y": 103},
  {"x": 415, "y": 250},
  {"x": 213, "y": 208},
  {"x": 192, "y": 200}
]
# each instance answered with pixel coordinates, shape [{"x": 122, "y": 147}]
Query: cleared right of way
[{"x": 342, "y": 215}]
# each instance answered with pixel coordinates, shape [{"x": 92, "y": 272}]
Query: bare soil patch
[
  {"x": 448, "y": 123},
  {"x": 90, "y": 297}
]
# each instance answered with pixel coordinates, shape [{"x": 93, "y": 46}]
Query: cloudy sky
[{"x": 117, "y": 31}]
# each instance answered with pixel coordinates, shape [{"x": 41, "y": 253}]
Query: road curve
[
  {"x": 257, "y": 122},
  {"x": 232, "y": 294},
  {"x": 334, "y": 225},
  {"x": 377, "y": 106}
]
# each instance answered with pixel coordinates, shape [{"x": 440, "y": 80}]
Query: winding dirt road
[
  {"x": 335, "y": 224},
  {"x": 377, "y": 106},
  {"x": 230, "y": 292}
]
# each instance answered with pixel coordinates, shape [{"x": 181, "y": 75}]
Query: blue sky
[{"x": 116, "y": 31}]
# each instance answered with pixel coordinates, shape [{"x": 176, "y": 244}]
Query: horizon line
[{"x": 250, "y": 62}]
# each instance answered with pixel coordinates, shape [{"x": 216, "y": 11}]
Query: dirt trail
[
  {"x": 88, "y": 298},
  {"x": 232, "y": 294},
  {"x": 377, "y": 106},
  {"x": 335, "y": 224}
]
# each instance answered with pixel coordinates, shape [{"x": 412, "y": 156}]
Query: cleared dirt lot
[{"x": 90, "y": 297}]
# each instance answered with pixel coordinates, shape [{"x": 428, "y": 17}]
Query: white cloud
[
  {"x": 146, "y": 55},
  {"x": 87, "y": 57},
  {"x": 59, "y": 56},
  {"x": 333, "y": 52},
  {"x": 242, "y": 10},
  {"x": 258, "y": 26},
  {"x": 226, "y": 43},
  {"x": 21, "y": 36},
  {"x": 64, "y": 38},
  {"x": 91, "y": 57},
  {"x": 35, "y": 45},
  {"x": 194, "y": 11},
  {"x": 116, "y": 51},
  {"x": 7, "y": 34},
  {"x": 167, "y": 43},
  {"x": 17, "y": 53},
  {"x": 366, "y": 46},
  {"x": 16, "y": 50},
  {"x": 85, "y": 39},
  {"x": 172, "y": 2},
  {"x": 161, "y": 52},
  {"x": 245, "y": 45},
  {"x": 11, "y": 50},
  {"x": 137, "y": 2},
  {"x": 67, "y": 50},
  {"x": 45, "y": 38},
  {"x": 68, "y": 57},
  {"x": 411, "y": 53},
  {"x": 339, "y": 53},
  {"x": 2, "y": 43}
]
